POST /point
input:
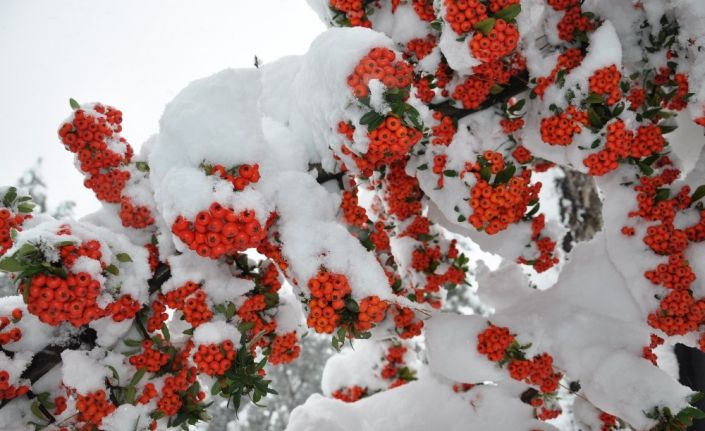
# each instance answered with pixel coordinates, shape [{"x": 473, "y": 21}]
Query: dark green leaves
[
  {"x": 485, "y": 26},
  {"x": 74, "y": 104},
  {"x": 372, "y": 120},
  {"x": 508, "y": 13}
]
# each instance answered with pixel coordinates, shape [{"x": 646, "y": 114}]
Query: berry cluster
[
  {"x": 648, "y": 351},
  {"x": 354, "y": 214},
  {"x": 560, "y": 128},
  {"x": 191, "y": 300},
  {"x": 499, "y": 42},
  {"x": 424, "y": 9},
  {"x": 9, "y": 391},
  {"x": 284, "y": 349},
  {"x": 573, "y": 20},
  {"x": 14, "y": 334},
  {"x": 394, "y": 367},
  {"x": 605, "y": 81},
  {"x": 151, "y": 358},
  {"x": 439, "y": 165},
  {"x": 93, "y": 134},
  {"x": 380, "y": 64},
  {"x": 252, "y": 312},
  {"x": 545, "y": 246},
  {"x": 443, "y": 133},
  {"x": 403, "y": 192},
  {"x": 372, "y": 310},
  {"x": 219, "y": 231},
  {"x": 406, "y": 323},
  {"x": 462, "y": 15},
  {"x": 350, "y": 395},
  {"x": 496, "y": 206},
  {"x": 215, "y": 359},
  {"x": 55, "y": 300},
  {"x": 522, "y": 155},
  {"x": 239, "y": 176},
  {"x": 14, "y": 211},
  {"x": 567, "y": 61},
  {"x": 420, "y": 48},
  {"x": 353, "y": 11},
  {"x": 500, "y": 345},
  {"x": 93, "y": 407},
  {"x": 135, "y": 216},
  {"x": 328, "y": 294}
]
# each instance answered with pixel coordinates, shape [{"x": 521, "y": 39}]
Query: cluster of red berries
[
  {"x": 443, "y": 133},
  {"x": 380, "y": 64},
  {"x": 424, "y": 88},
  {"x": 648, "y": 351},
  {"x": 605, "y": 81},
  {"x": 252, "y": 312},
  {"x": 439, "y": 165},
  {"x": 9, "y": 391},
  {"x": 14, "y": 334},
  {"x": 123, "y": 308},
  {"x": 93, "y": 136},
  {"x": 380, "y": 237},
  {"x": 567, "y": 61},
  {"x": 403, "y": 192},
  {"x": 215, "y": 359},
  {"x": 328, "y": 292},
  {"x": 158, "y": 317},
  {"x": 372, "y": 310},
  {"x": 679, "y": 312},
  {"x": 537, "y": 371},
  {"x": 499, "y": 42},
  {"x": 677, "y": 98},
  {"x": 495, "y": 207},
  {"x": 135, "y": 216},
  {"x": 472, "y": 92},
  {"x": 350, "y": 395},
  {"x": 462, "y": 15},
  {"x": 149, "y": 392},
  {"x": 151, "y": 358},
  {"x": 390, "y": 142},
  {"x": 424, "y": 9},
  {"x": 619, "y": 141},
  {"x": 191, "y": 300},
  {"x": 284, "y": 349},
  {"x": 494, "y": 341},
  {"x": 71, "y": 252},
  {"x": 93, "y": 407},
  {"x": 573, "y": 21},
  {"x": 55, "y": 300},
  {"x": 522, "y": 155},
  {"x": 424, "y": 258},
  {"x": 420, "y": 48},
  {"x": 406, "y": 323},
  {"x": 353, "y": 213},
  {"x": 559, "y": 129},
  {"x": 9, "y": 221},
  {"x": 394, "y": 365},
  {"x": 636, "y": 98},
  {"x": 510, "y": 126},
  {"x": 354, "y": 11},
  {"x": 170, "y": 403},
  {"x": 545, "y": 246},
  {"x": 219, "y": 231},
  {"x": 240, "y": 176},
  {"x": 609, "y": 422}
]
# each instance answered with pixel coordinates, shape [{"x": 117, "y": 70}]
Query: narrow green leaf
[
  {"x": 123, "y": 257},
  {"x": 485, "y": 26},
  {"x": 509, "y": 13},
  {"x": 113, "y": 269},
  {"x": 74, "y": 104}
]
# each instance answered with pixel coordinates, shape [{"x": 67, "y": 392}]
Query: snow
[
  {"x": 215, "y": 332},
  {"x": 83, "y": 370}
]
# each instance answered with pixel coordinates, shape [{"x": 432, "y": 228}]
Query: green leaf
[
  {"x": 485, "y": 26},
  {"x": 486, "y": 172},
  {"x": 594, "y": 99},
  {"x": 132, "y": 343},
  {"x": 74, "y": 104},
  {"x": 130, "y": 394},
  {"x": 594, "y": 118},
  {"x": 436, "y": 25},
  {"x": 505, "y": 175},
  {"x": 10, "y": 264},
  {"x": 517, "y": 106},
  {"x": 9, "y": 197},
  {"x": 165, "y": 331},
  {"x": 215, "y": 390},
  {"x": 25, "y": 207},
  {"x": 25, "y": 250},
  {"x": 137, "y": 377},
  {"x": 142, "y": 166},
  {"x": 698, "y": 194},
  {"x": 36, "y": 412},
  {"x": 351, "y": 305},
  {"x": 123, "y": 257},
  {"x": 372, "y": 120},
  {"x": 113, "y": 269},
  {"x": 496, "y": 89},
  {"x": 450, "y": 173},
  {"x": 63, "y": 244},
  {"x": 509, "y": 13},
  {"x": 662, "y": 195}
]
